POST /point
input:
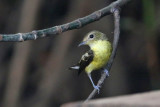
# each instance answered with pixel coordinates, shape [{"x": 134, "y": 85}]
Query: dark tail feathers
[{"x": 74, "y": 68}]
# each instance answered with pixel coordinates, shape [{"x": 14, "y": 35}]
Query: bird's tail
[{"x": 74, "y": 67}]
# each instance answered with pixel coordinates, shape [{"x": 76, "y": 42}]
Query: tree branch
[
  {"x": 115, "y": 11},
  {"x": 20, "y": 37}
]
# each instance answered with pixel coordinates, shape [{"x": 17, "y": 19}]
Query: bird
[{"x": 97, "y": 57}]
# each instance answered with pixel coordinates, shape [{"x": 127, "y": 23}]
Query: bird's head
[{"x": 92, "y": 37}]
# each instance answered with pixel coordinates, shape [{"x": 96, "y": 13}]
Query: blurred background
[{"x": 35, "y": 73}]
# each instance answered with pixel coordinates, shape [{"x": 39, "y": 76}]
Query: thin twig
[
  {"x": 20, "y": 37},
  {"x": 115, "y": 11}
]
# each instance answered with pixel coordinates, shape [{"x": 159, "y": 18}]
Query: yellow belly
[{"x": 102, "y": 51}]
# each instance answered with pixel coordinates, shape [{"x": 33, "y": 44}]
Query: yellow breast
[{"x": 102, "y": 51}]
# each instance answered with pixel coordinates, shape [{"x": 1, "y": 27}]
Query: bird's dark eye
[{"x": 91, "y": 36}]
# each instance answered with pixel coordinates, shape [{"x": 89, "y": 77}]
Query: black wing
[{"x": 85, "y": 60}]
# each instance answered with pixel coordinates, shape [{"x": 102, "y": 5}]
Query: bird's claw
[
  {"x": 97, "y": 88},
  {"x": 107, "y": 73}
]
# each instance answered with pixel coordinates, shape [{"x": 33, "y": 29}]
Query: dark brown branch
[
  {"x": 115, "y": 11},
  {"x": 76, "y": 24}
]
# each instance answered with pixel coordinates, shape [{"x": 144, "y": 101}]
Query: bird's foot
[
  {"x": 107, "y": 73},
  {"x": 97, "y": 88}
]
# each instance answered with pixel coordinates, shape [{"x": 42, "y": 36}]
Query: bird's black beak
[{"x": 82, "y": 43}]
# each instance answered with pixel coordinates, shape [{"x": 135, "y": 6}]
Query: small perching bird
[{"x": 98, "y": 55}]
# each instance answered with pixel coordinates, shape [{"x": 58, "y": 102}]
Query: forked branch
[
  {"x": 113, "y": 8},
  {"x": 116, "y": 15}
]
